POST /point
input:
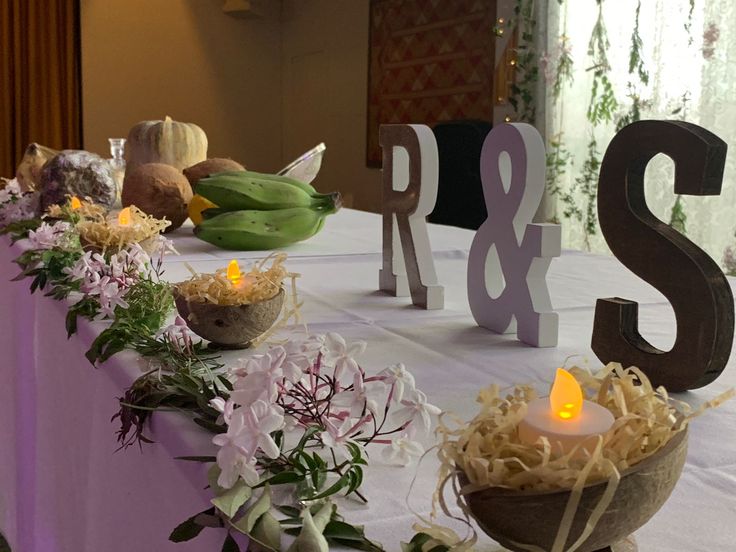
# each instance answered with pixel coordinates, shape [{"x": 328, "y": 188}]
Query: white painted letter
[
  {"x": 410, "y": 181},
  {"x": 509, "y": 257}
]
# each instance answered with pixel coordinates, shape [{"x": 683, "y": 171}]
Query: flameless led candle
[
  {"x": 75, "y": 203},
  {"x": 236, "y": 276},
  {"x": 124, "y": 217},
  {"x": 564, "y": 418}
]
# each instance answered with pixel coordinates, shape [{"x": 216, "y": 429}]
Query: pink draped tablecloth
[{"x": 65, "y": 488}]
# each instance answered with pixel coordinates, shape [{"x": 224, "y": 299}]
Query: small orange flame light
[
  {"x": 75, "y": 203},
  {"x": 233, "y": 272},
  {"x": 124, "y": 217},
  {"x": 566, "y": 396}
]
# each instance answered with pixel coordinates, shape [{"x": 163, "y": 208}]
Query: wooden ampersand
[
  {"x": 410, "y": 182},
  {"x": 508, "y": 251},
  {"x": 690, "y": 280}
]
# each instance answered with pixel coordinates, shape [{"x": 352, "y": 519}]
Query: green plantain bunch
[{"x": 261, "y": 211}]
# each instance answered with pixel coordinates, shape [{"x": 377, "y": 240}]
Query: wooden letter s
[{"x": 690, "y": 280}]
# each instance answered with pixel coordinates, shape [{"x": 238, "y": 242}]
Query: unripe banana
[
  {"x": 250, "y": 230},
  {"x": 263, "y": 176},
  {"x": 234, "y": 193}
]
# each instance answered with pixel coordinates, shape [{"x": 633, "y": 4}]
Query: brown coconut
[
  {"x": 158, "y": 190},
  {"x": 210, "y": 166}
]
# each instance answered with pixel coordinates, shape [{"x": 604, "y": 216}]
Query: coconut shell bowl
[
  {"x": 229, "y": 326},
  {"x": 519, "y": 518}
]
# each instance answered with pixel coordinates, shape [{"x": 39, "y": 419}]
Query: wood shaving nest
[
  {"x": 490, "y": 453},
  {"x": 260, "y": 283},
  {"x": 105, "y": 234},
  {"x": 88, "y": 211}
]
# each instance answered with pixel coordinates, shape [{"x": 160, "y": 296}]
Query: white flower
[
  {"x": 178, "y": 334},
  {"x": 416, "y": 409},
  {"x": 10, "y": 191},
  {"x": 299, "y": 358},
  {"x": 336, "y": 437},
  {"x": 401, "y": 380},
  {"x": 254, "y": 387},
  {"x": 262, "y": 419},
  {"x": 401, "y": 451},
  {"x": 161, "y": 245},
  {"x": 340, "y": 355},
  {"x": 136, "y": 258},
  {"x": 360, "y": 397},
  {"x": 15, "y": 205},
  {"x": 110, "y": 294},
  {"x": 233, "y": 465},
  {"x": 235, "y": 457},
  {"x": 225, "y": 408},
  {"x": 284, "y": 365},
  {"x": 48, "y": 236}
]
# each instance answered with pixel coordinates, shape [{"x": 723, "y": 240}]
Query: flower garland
[{"x": 297, "y": 418}]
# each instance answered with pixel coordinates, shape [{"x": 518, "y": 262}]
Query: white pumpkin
[{"x": 170, "y": 142}]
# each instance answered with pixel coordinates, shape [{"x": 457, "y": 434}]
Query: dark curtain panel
[{"x": 40, "y": 89}]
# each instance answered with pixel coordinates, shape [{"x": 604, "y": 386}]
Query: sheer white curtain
[{"x": 692, "y": 76}]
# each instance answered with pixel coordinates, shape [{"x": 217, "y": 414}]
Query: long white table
[{"x": 64, "y": 488}]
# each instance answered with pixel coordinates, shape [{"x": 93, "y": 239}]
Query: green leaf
[
  {"x": 232, "y": 499},
  {"x": 4, "y": 546},
  {"x": 291, "y": 521},
  {"x": 203, "y": 459},
  {"x": 209, "y": 426},
  {"x": 343, "y": 531},
  {"x": 290, "y": 511},
  {"x": 267, "y": 532},
  {"x": 282, "y": 478},
  {"x": 357, "y": 479},
  {"x": 364, "y": 544},
  {"x": 230, "y": 545},
  {"x": 187, "y": 530},
  {"x": 254, "y": 512},
  {"x": 339, "y": 484},
  {"x": 322, "y": 517}
]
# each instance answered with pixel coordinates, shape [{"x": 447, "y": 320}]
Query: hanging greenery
[
  {"x": 603, "y": 103},
  {"x": 634, "y": 112},
  {"x": 689, "y": 23},
  {"x": 558, "y": 156},
  {"x": 558, "y": 159},
  {"x": 578, "y": 200},
  {"x": 527, "y": 62},
  {"x": 678, "y": 218},
  {"x": 588, "y": 185},
  {"x": 563, "y": 72},
  {"x": 636, "y": 64}
]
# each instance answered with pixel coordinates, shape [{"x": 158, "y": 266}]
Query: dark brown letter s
[{"x": 690, "y": 280}]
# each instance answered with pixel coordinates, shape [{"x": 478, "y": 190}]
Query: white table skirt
[{"x": 63, "y": 488}]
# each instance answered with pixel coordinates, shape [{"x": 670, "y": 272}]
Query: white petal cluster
[
  {"x": 317, "y": 385},
  {"x": 109, "y": 281}
]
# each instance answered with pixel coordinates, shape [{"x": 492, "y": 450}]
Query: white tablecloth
[{"x": 63, "y": 488}]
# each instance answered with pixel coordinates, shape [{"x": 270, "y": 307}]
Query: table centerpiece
[
  {"x": 232, "y": 309},
  {"x": 579, "y": 470}
]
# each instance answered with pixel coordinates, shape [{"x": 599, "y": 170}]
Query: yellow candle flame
[
  {"x": 233, "y": 272},
  {"x": 566, "y": 396},
  {"x": 124, "y": 217},
  {"x": 75, "y": 203}
]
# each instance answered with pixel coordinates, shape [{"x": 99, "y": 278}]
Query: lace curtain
[{"x": 690, "y": 61}]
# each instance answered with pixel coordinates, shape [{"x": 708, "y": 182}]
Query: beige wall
[
  {"x": 144, "y": 59},
  {"x": 325, "y": 86},
  {"x": 264, "y": 89}
]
